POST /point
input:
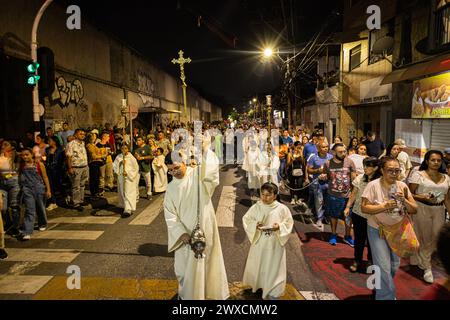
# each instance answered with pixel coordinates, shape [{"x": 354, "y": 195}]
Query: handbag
[{"x": 400, "y": 236}]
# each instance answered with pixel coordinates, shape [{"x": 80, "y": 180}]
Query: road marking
[
  {"x": 311, "y": 295},
  {"x": 95, "y": 288},
  {"x": 22, "y": 284},
  {"x": 67, "y": 235},
  {"x": 86, "y": 220},
  {"x": 226, "y": 207},
  {"x": 42, "y": 255},
  {"x": 149, "y": 214}
]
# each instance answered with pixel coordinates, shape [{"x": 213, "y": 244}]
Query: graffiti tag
[{"x": 68, "y": 92}]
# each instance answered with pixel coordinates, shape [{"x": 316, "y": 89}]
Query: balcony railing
[{"x": 443, "y": 25}]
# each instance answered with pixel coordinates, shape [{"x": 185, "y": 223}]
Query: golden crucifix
[{"x": 181, "y": 61}]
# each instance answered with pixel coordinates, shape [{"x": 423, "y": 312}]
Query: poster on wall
[{"x": 431, "y": 97}]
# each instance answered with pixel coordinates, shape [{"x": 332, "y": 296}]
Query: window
[
  {"x": 355, "y": 57},
  {"x": 443, "y": 22},
  {"x": 374, "y": 35}
]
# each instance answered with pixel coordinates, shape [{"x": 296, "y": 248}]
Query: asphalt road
[{"x": 128, "y": 258}]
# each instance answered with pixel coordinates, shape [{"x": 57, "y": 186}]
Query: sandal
[{"x": 354, "y": 267}]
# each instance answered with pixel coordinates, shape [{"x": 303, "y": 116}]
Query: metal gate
[{"x": 440, "y": 134}]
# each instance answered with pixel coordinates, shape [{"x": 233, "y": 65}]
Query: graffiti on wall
[
  {"x": 145, "y": 84},
  {"x": 67, "y": 93}
]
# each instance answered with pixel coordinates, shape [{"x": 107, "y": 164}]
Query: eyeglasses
[{"x": 393, "y": 171}]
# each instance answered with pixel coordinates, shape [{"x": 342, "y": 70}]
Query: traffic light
[
  {"x": 33, "y": 78},
  {"x": 46, "y": 59}
]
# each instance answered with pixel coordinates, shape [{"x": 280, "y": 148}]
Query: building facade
[{"x": 94, "y": 72}]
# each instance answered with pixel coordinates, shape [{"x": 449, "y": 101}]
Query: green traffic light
[
  {"x": 33, "y": 67},
  {"x": 33, "y": 80}
]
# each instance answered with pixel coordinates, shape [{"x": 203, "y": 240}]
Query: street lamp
[{"x": 268, "y": 53}]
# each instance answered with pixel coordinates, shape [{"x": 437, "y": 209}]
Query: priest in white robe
[
  {"x": 160, "y": 171},
  {"x": 203, "y": 278},
  {"x": 126, "y": 168},
  {"x": 266, "y": 263}
]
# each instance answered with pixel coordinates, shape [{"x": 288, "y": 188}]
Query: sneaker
[
  {"x": 428, "y": 276},
  {"x": 125, "y": 214},
  {"x": 78, "y": 208},
  {"x": 42, "y": 228},
  {"x": 25, "y": 237},
  {"x": 333, "y": 239},
  {"x": 3, "y": 254},
  {"x": 348, "y": 240},
  {"x": 13, "y": 232},
  {"x": 319, "y": 225},
  {"x": 51, "y": 206},
  {"x": 149, "y": 196}
]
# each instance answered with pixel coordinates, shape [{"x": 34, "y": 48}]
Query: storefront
[
  {"x": 373, "y": 113},
  {"x": 428, "y": 102}
]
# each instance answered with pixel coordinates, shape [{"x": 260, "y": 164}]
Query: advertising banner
[{"x": 431, "y": 97}]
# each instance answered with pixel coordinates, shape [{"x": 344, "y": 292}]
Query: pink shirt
[{"x": 375, "y": 194}]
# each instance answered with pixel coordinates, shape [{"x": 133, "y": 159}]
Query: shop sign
[
  {"x": 431, "y": 97},
  {"x": 371, "y": 91}
]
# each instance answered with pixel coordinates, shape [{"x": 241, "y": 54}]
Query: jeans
[
  {"x": 94, "y": 178},
  {"x": 55, "y": 180},
  {"x": 319, "y": 194},
  {"x": 35, "y": 204},
  {"x": 387, "y": 261},
  {"x": 78, "y": 179},
  {"x": 12, "y": 188},
  {"x": 282, "y": 170},
  {"x": 360, "y": 231}
]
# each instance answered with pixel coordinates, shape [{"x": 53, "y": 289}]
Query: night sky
[{"x": 223, "y": 44}]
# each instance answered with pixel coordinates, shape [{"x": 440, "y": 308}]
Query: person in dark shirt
[
  {"x": 441, "y": 291},
  {"x": 374, "y": 146}
]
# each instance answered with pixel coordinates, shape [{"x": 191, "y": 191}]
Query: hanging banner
[{"x": 431, "y": 97}]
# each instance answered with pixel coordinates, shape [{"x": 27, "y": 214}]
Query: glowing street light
[
  {"x": 268, "y": 53},
  {"x": 254, "y": 100}
]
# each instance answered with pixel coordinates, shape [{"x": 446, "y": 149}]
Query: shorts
[{"x": 335, "y": 206}]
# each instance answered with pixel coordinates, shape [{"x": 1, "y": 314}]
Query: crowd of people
[{"x": 365, "y": 183}]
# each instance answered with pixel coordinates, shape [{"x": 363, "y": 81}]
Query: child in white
[
  {"x": 127, "y": 170},
  {"x": 160, "y": 170},
  {"x": 268, "y": 225}
]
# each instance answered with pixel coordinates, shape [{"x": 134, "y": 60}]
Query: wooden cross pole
[{"x": 181, "y": 61}]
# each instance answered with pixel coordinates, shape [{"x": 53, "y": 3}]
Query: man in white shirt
[{"x": 403, "y": 158}]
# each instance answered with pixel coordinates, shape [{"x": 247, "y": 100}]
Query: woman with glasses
[
  {"x": 359, "y": 219},
  {"x": 430, "y": 189},
  {"x": 384, "y": 201},
  {"x": 393, "y": 150}
]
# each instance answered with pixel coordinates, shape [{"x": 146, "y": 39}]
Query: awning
[
  {"x": 156, "y": 110},
  {"x": 437, "y": 65}
]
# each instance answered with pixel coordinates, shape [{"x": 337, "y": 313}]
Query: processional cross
[{"x": 181, "y": 61}]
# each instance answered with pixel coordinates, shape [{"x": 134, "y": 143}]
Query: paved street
[{"x": 128, "y": 259}]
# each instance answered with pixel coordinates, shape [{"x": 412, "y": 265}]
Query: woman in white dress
[
  {"x": 430, "y": 189},
  {"x": 160, "y": 170}
]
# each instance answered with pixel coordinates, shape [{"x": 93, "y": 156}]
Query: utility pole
[
  {"x": 181, "y": 61},
  {"x": 34, "y": 45}
]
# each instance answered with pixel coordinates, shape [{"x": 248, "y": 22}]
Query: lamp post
[
  {"x": 268, "y": 53},
  {"x": 34, "y": 45}
]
